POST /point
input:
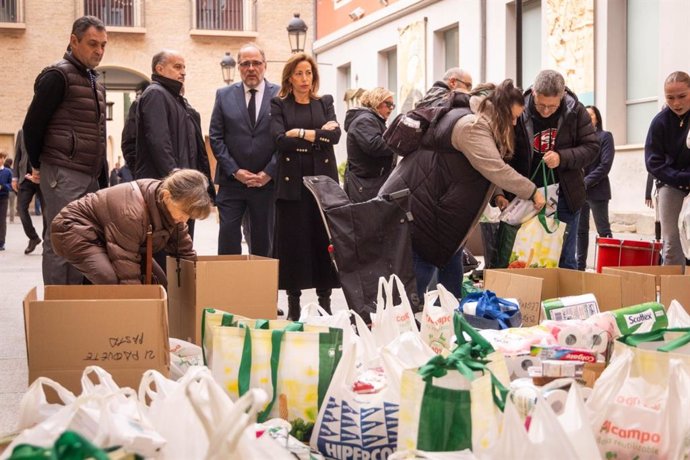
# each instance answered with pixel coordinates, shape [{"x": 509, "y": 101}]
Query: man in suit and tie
[{"x": 246, "y": 156}]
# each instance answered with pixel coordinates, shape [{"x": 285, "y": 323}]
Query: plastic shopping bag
[
  {"x": 639, "y": 405},
  {"x": 684, "y": 226},
  {"x": 390, "y": 319},
  {"x": 34, "y": 406},
  {"x": 520, "y": 211},
  {"x": 437, "y": 321}
]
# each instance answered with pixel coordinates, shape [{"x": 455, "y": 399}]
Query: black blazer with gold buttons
[{"x": 289, "y": 180}]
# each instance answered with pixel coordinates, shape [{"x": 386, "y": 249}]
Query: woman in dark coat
[
  {"x": 369, "y": 158},
  {"x": 305, "y": 129},
  {"x": 103, "y": 234},
  {"x": 598, "y": 190}
]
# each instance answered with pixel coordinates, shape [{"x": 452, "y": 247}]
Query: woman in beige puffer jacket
[{"x": 103, "y": 234}]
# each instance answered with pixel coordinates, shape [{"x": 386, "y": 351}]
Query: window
[
  {"x": 451, "y": 45},
  {"x": 11, "y": 11},
  {"x": 531, "y": 41},
  {"x": 224, "y": 15},
  {"x": 116, "y": 13},
  {"x": 642, "y": 67},
  {"x": 392, "y": 74}
]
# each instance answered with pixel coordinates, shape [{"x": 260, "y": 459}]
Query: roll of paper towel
[{"x": 556, "y": 399}]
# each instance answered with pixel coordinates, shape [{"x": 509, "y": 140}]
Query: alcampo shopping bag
[
  {"x": 639, "y": 404},
  {"x": 437, "y": 320},
  {"x": 455, "y": 402},
  {"x": 293, "y": 362}
]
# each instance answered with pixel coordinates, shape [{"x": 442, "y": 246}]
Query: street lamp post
[
  {"x": 227, "y": 66},
  {"x": 297, "y": 33}
]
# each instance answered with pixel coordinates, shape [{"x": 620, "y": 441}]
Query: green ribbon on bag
[
  {"x": 244, "y": 372},
  {"x": 635, "y": 340},
  {"x": 547, "y": 173},
  {"x": 69, "y": 446}
]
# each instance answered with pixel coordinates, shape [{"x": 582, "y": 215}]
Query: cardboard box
[
  {"x": 643, "y": 284},
  {"x": 123, "y": 329},
  {"x": 245, "y": 285},
  {"x": 532, "y": 285}
]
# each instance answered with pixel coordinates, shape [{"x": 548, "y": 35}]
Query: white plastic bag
[
  {"x": 437, "y": 321},
  {"x": 520, "y": 211},
  {"x": 34, "y": 406},
  {"x": 183, "y": 355},
  {"x": 313, "y": 313},
  {"x": 391, "y": 320},
  {"x": 677, "y": 316}
]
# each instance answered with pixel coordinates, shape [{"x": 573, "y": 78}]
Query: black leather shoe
[{"x": 32, "y": 245}]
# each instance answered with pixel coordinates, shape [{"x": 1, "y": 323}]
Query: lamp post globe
[
  {"x": 227, "y": 66},
  {"x": 297, "y": 33}
]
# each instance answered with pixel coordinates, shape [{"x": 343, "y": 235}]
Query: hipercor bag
[{"x": 405, "y": 133}]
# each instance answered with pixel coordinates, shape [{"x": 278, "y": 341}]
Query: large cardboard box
[
  {"x": 642, "y": 284},
  {"x": 246, "y": 285},
  {"x": 532, "y": 285},
  {"x": 123, "y": 329}
]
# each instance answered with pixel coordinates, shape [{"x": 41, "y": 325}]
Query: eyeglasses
[
  {"x": 468, "y": 84},
  {"x": 247, "y": 64},
  {"x": 544, "y": 107},
  {"x": 390, "y": 105}
]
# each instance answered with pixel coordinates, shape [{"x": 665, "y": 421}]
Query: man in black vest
[{"x": 64, "y": 132}]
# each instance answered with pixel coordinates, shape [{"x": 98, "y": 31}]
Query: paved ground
[{"x": 19, "y": 273}]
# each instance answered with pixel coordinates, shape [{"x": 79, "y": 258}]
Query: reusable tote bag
[
  {"x": 537, "y": 242},
  {"x": 291, "y": 361},
  {"x": 455, "y": 402}
]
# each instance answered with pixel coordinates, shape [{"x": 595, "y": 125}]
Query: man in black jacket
[
  {"x": 556, "y": 127},
  {"x": 64, "y": 132},
  {"x": 168, "y": 131},
  {"x": 26, "y": 188},
  {"x": 129, "y": 132}
]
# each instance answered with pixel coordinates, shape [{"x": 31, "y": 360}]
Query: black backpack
[{"x": 405, "y": 133}]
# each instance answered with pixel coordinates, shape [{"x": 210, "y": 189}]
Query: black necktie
[{"x": 251, "y": 108}]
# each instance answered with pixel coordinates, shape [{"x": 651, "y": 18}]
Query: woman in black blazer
[{"x": 305, "y": 129}]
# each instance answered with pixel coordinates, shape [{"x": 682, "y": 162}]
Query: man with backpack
[{"x": 455, "y": 79}]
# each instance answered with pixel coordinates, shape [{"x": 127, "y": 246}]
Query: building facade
[
  {"x": 613, "y": 53},
  {"x": 35, "y": 33}
]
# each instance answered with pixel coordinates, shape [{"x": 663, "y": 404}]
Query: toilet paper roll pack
[{"x": 571, "y": 307}]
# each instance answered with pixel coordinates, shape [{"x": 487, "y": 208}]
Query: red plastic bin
[{"x": 612, "y": 252}]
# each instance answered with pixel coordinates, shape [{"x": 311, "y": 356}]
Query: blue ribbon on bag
[{"x": 490, "y": 306}]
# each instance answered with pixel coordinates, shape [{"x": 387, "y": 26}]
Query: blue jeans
[
  {"x": 571, "y": 219},
  {"x": 450, "y": 276}
]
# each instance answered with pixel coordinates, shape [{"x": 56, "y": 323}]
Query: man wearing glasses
[
  {"x": 455, "y": 79},
  {"x": 243, "y": 146},
  {"x": 556, "y": 127}
]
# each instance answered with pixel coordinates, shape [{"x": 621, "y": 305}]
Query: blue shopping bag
[{"x": 485, "y": 310}]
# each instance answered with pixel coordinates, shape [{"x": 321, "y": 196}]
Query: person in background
[
  {"x": 598, "y": 190},
  {"x": 240, "y": 134},
  {"x": 667, "y": 157},
  {"x": 114, "y": 175},
  {"x": 65, "y": 134},
  {"x": 455, "y": 79},
  {"x": 5, "y": 190},
  {"x": 555, "y": 127},
  {"x": 23, "y": 183},
  {"x": 305, "y": 129},
  {"x": 453, "y": 177},
  {"x": 168, "y": 130},
  {"x": 129, "y": 132},
  {"x": 125, "y": 174},
  {"x": 12, "y": 205},
  {"x": 104, "y": 234},
  {"x": 369, "y": 158}
]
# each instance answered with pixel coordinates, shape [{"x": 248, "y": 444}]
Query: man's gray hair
[
  {"x": 161, "y": 58},
  {"x": 549, "y": 83},
  {"x": 455, "y": 72},
  {"x": 250, "y": 45}
]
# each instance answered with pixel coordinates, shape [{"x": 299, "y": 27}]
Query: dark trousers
[
  {"x": 27, "y": 191},
  {"x": 600, "y": 211},
  {"x": 4, "y": 204},
  {"x": 450, "y": 276},
  {"x": 255, "y": 207},
  {"x": 569, "y": 218}
]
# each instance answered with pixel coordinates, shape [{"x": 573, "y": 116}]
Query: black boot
[
  {"x": 324, "y": 297},
  {"x": 294, "y": 309}
]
